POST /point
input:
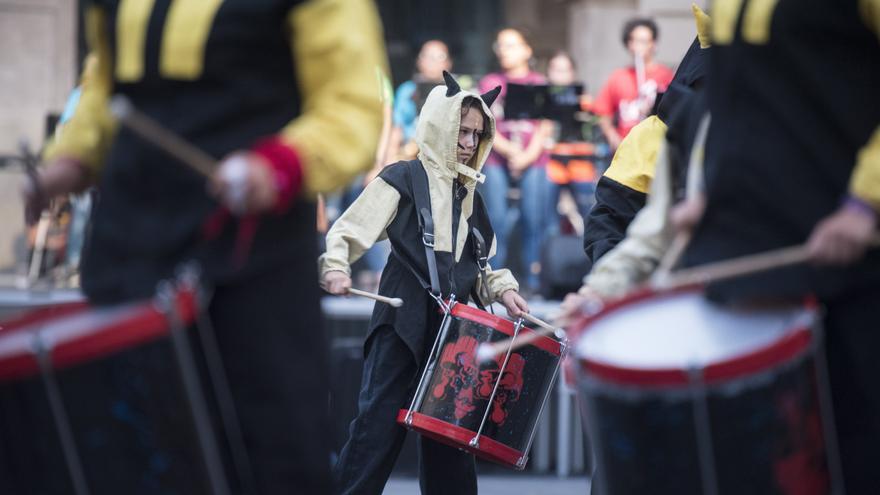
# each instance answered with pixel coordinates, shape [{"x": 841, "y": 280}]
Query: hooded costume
[
  {"x": 399, "y": 338},
  {"x": 387, "y": 209}
]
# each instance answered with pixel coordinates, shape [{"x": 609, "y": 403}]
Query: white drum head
[{"x": 680, "y": 331}]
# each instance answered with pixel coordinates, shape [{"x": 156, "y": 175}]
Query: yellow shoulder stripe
[
  {"x": 184, "y": 37},
  {"x": 131, "y": 37},
  {"x": 633, "y": 163}
]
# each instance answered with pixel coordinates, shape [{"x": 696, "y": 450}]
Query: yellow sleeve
[
  {"x": 499, "y": 281},
  {"x": 865, "y": 180},
  {"x": 337, "y": 48},
  {"x": 634, "y": 160},
  {"x": 649, "y": 234},
  {"x": 87, "y": 135},
  {"x": 359, "y": 227}
]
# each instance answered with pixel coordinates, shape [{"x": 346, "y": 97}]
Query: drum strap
[
  {"x": 422, "y": 201},
  {"x": 482, "y": 256}
]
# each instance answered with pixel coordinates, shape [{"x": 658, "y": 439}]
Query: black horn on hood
[
  {"x": 489, "y": 96},
  {"x": 452, "y": 87}
]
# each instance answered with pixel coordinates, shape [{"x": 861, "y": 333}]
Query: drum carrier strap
[
  {"x": 422, "y": 201},
  {"x": 481, "y": 254}
]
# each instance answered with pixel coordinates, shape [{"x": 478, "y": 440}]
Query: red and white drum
[
  {"x": 682, "y": 395},
  {"x": 105, "y": 400},
  {"x": 491, "y": 408}
]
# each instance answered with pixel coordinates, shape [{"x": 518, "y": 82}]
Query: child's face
[{"x": 469, "y": 133}]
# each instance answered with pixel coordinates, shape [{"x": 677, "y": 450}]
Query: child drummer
[{"x": 436, "y": 254}]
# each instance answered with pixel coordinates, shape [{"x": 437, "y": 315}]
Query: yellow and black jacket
[
  {"x": 226, "y": 75},
  {"x": 621, "y": 191},
  {"x": 795, "y": 132}
]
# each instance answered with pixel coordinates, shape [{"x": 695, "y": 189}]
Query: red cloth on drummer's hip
[{"x": 287, "y": 169}]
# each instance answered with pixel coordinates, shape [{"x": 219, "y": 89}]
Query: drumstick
[
  {"x": 738, "y": 267},
  {"x": 489, "y": 350},
  {"x": 150, "y": 130},
  {"x": 393, "y": 301},
  {"x": 537, "y": 321},
  {"x": 673, "y": 254}
]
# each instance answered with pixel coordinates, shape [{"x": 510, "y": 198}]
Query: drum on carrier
[
  {"x": 682, "y": 395},
  {"x": 112, "y": 400},
  {"x": 489, "y": 407}
]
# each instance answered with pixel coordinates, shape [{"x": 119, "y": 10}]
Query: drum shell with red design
[
  {"x": 458, "y": 388},
  {"x": 121, "y": 391},
  {"x": 680, "y": 394}
]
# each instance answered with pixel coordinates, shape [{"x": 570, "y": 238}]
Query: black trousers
[
  {"x": 275, "y": 355},
  {"x": 375, "y": 438},
  {"x": 852, "y": 334}
]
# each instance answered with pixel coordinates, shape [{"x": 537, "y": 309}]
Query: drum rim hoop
[
  {"x": 505, "y": 326},
  {"x": 790, "y": 346},
  {"x": 489, "y": 448},
  {"x": 146, "y": 322}
]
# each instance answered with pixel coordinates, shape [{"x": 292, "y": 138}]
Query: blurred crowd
[{"x": 541, "y": 176}]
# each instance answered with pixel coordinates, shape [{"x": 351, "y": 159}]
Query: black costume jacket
[{"x": 795, "y": 110}]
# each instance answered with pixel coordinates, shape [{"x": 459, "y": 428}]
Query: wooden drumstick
[
  {"x": 537, "y": 321},
  {"x": 392, "y": 301},
  {"x": 673, "y": 254},
  {"x": 150, "y": 130},
  {"x": 738, "y": 267},
  {"x": 488, "y": 350}
]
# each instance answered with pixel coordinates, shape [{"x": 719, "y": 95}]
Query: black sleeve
[{"x": 616, "y": 206}]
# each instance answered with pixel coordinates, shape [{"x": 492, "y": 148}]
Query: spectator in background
[
  {"x": 518, "y": 158},
  {"x": 433, "y": 59},
  {"x": 572, "y": 158},
  {"x": 629, "y": 94}
]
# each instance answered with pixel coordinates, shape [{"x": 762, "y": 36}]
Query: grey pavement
[{"x": 505, "y": 485}]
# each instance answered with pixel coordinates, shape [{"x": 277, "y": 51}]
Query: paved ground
[{"x": 504, "y": 485}]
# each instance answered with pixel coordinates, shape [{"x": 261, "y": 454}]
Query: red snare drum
[
  {"x": 489, "y": 409},
  {"x": 682, "y": 395},
  {"x": 105, "y": 400}
]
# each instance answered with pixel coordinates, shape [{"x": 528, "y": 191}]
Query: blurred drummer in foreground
[
  {"x": 793, "y": 156},
  {"x": 285, "y": 96},
  {"x": 675, "y": 174},
  {"x": 454, "y": 134},
  {"x": 623, "y": 189}
]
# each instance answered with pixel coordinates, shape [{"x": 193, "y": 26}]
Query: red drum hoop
[
  {"x": 79, "y": 333},
  {"x": 506, "y": 326},
  {"x": 792, "y": 345},
  {"x": 93, "y": 398}
]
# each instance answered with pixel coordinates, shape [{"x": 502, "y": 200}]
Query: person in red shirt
[{"x": 629, "y": 94}]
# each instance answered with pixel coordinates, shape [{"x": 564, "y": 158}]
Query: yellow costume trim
[
  {"x": 182, "y": 53},
  {"x": 131, "y": 37},
  {"x": 704, "y": 26},
  {"x": 757, "y": 20},
  {"x": 870, "y": 10}
]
